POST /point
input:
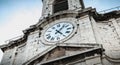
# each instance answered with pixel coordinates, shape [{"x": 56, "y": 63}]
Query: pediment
[
  {"x": 62, "y": 51},
  {"x": 67, "y": 50}
]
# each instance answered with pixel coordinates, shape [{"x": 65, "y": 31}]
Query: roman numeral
[
  {"x": 49, "y": 31},
  {"x": 58, "y": 38},
  {"x": 49, "y": 37},
  {"x": 53, "y": 27},
  {"x": 66, "y": 25},
  {"x": 58, "y": 25},
  {"x": 52, "y": 38},
  {"x": 68, "y": 28},
  {"x": 67, "y": 32}
]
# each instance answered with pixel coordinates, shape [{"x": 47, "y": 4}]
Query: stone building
[{"x": 67, "y": 34}]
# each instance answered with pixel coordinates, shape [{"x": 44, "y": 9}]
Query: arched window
[{"x": 60, "y": 5}]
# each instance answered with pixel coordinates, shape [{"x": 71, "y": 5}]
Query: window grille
[{"x": 60, "y": 5}]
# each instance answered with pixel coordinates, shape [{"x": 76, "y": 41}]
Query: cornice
[{"x": 107, "y": 16}]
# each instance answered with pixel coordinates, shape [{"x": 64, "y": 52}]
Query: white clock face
[{"x": 58, "y": 31}]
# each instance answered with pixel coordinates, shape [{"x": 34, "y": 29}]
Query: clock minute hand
[{"x": 62, "y": 27}]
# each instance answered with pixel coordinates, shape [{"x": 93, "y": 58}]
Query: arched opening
[{"x": 60, "y": 5}]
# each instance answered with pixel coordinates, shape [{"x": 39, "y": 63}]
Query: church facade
[{"x": 67, "y": 34}]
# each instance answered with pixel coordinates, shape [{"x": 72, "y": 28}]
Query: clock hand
[
  {"x": 56, "y": 31},
  {"x": 60, "y": 33},
  {"x": 60, "y": 28}
]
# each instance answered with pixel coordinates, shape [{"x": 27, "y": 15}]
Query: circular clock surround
[{"x": 58, "y": 31}]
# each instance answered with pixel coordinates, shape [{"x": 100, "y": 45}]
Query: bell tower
[{"x": 53, "y": 6}]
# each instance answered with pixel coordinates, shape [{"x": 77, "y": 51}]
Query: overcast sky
[{"x": 17, "y": 15}]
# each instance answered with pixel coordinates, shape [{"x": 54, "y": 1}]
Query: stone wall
[
  {"x": 8, "y": 57},
  {"x": 34, "y": 45},
  {"x": 107, "y": 33},
  {"x": 19, "y": 56},
  {"x": 84, "y": 33}
]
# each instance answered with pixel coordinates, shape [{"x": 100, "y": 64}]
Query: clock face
[{"x": 58, "y": 31}]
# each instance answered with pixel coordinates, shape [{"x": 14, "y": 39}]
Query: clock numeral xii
[{"x": 58, "y": 25}]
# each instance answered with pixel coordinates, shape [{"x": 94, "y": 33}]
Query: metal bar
[{"x": 111, "y": 9}]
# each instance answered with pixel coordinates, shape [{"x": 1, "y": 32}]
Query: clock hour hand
[
  {"x": 60, "y": 29},
  {"x": 60, "y": 32},
  {"x": 56, "y": 31}
]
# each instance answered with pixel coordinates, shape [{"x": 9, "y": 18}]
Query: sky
[{"x": 17, "y": 15}]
